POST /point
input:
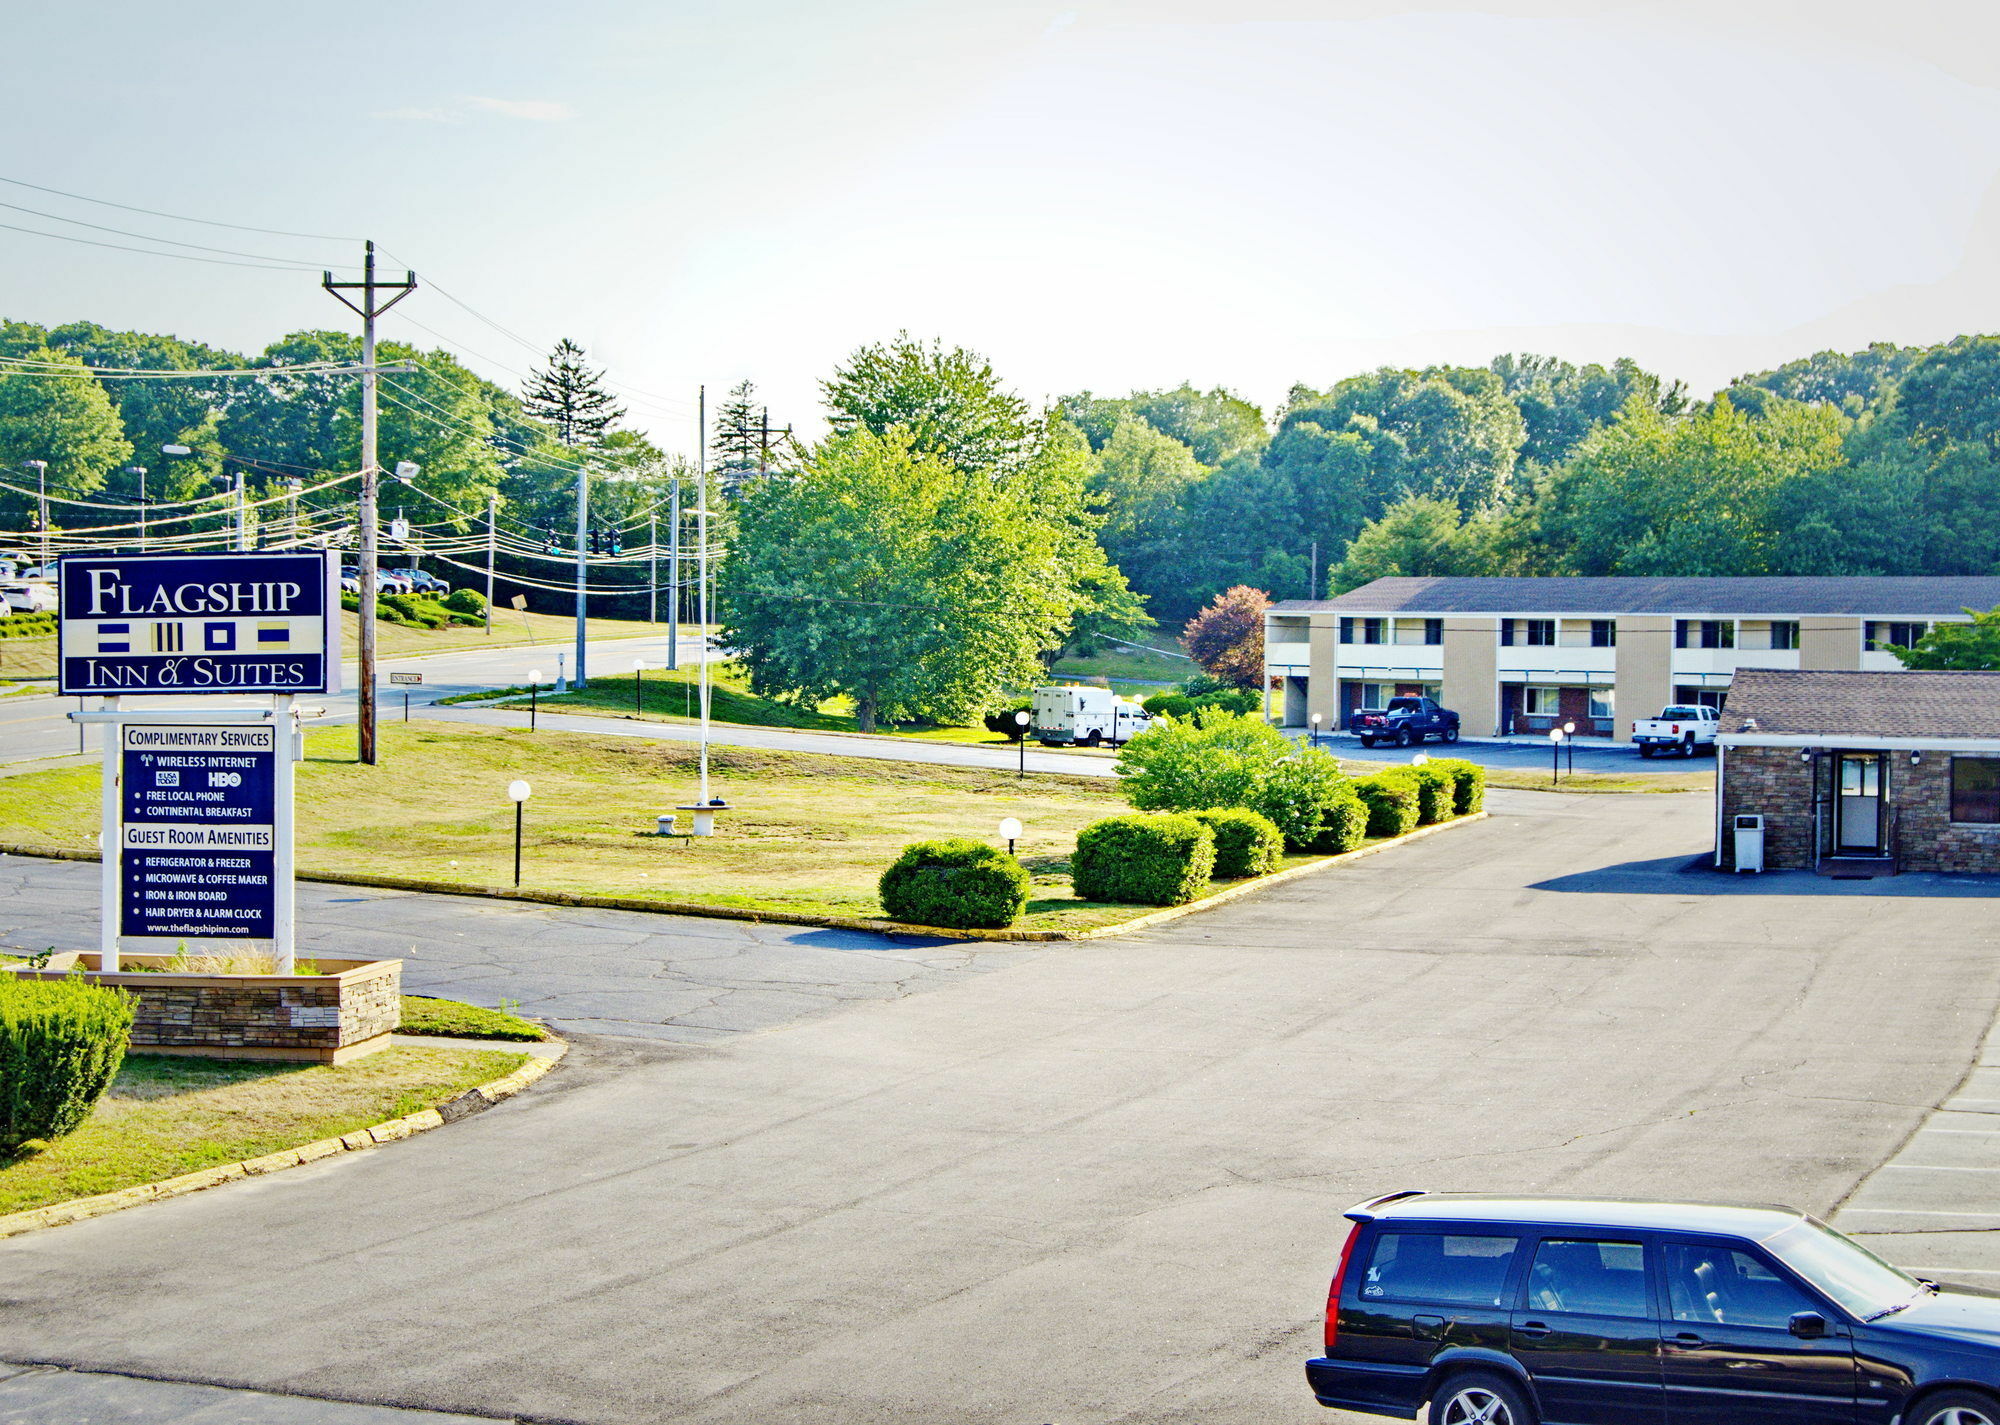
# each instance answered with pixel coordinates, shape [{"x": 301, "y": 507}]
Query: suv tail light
[{"x": 1333, "y": 1292}]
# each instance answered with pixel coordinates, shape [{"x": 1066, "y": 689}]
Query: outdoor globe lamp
[
  {"x": 1021, "y": 722},
  {"x": 1010, "y": 829},
  {"x": 518, "y": 792},
  {"x": 534, "y": 694}
]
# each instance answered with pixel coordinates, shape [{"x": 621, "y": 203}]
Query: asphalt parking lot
[{"x": 1101, "y": 1183}]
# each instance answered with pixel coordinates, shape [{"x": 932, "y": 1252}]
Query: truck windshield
[
  {"x": 1681, "y": 715},
  {"x": 1845, "y": 1270}
]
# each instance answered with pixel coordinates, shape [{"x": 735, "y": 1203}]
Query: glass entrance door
[{"x": 1858, "y": 821}]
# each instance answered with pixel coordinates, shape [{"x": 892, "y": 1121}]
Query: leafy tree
[
  {"x": 64, "y": 419},
  {"x": 949, "y": 401},
  {"x": 1974, "y": 645},
  {"x": 1298, "y": 792},
  {"x": 1560, "y": 404},
  {"x": 1054, "y": 480},
  {"x": 1461, "y": 432},
  {"x": 1214, "y": 759},
  {"x": 737, "y": 447},
  {"x": 1143, "y": 479},
  {"x": 1227, "y": 637},
  {"x": 1851, "y": 382},
  {"x": 571, "y": 397},
  {"x": 1216, "y": 425},
  {"x": 1421, "y": 536},
  {"x": 1699, "y": 495},
  {"x": 888, "y": 575}
]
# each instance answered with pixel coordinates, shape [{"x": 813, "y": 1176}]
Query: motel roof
[
  {"x": 1860, "y": 596},
  {"x": 1783, "y": 702}
]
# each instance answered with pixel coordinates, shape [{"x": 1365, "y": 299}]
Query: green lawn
[
  {"x": 167, "y": 1115},
  {"x": 453, "y": 1019}
]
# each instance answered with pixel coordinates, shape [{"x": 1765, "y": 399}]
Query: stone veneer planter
[{"x": 328, "y": 1018}]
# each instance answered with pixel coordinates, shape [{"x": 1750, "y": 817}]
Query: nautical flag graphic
[
  {"x": 274, "y": 635},
  {"x": 169, "y": 637},
  {"x": 114, "y": 638},
  {"x": 218, "y": 637}
]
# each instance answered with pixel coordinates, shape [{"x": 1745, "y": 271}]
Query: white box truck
[{"x": 1085, "y": 717}]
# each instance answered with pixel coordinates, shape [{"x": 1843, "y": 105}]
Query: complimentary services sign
[
  {"x": 197, "y": 831},
  {"x": 198, "y": 623}
]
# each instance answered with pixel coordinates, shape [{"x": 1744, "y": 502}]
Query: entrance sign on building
[
  {"x": 199, "y": 624},
  {"x": 198, "y": 833}
]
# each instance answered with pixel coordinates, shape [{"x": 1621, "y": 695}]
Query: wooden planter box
[{"x": 329, "y": 1018}]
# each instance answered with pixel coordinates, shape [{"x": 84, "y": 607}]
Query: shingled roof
[
  {"x": 1786, "y": 702},
  {"x": 1858, "y": 595}
]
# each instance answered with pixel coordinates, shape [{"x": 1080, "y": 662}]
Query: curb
[
  {"x": 830, "y": 922},
  {"x": 473, "y": 1100}
]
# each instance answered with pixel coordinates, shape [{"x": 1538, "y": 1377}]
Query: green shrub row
[
  {"x": 1164, "y": 858},
  {"x": 955, "y": 884},
  {"x": 422, "y": 611},
  {"x": 1404, "y": 798},
  {"x": 35, "y": 625},
  {"x": 61, "y": 1042},
  {"x": 1246, "y": 842},
  {"x": 1240, "y": 701}
]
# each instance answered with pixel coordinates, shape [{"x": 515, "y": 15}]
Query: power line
[
  {"x": 35, "y": 367},
  {"x": 148, "y": 237},
  {"x": 176, "y": 217},
  {"x": 152, "y": 252}
]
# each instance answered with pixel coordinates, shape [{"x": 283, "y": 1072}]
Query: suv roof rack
[{"x": 1365, "y": 1211}]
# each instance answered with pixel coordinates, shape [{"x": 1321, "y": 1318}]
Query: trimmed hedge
[
  {"x": 956, "y": 884},
  {"x": 1469, "y": 794},
  {"x": 1391, "y": 799},
  {"x": 1436, "y": 791},
  {"x": 469, "y": 602},
  {"x": 1246, "y": 842},
  {"x": 1003, "y": 722},
  {"x": 25, "y": 625},
  {"x": 61, "y": 1043},
  {"x": 1161, "y": 859},
  {"x": 1296, "y": 793},
  {"x": 1345, "y": 824}
]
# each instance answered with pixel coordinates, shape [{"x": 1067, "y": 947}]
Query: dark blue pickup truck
[{"x": 1405, "y": 722}]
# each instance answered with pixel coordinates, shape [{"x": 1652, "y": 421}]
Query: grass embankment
[
  {"x": 804, "y": 832},
  {"x": 451, "y": 1019},
  {"x": 167, "y": 1115}
]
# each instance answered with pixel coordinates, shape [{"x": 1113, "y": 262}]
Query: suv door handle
[
  {"x": 1532, "y": 1328},
  {"x": 1685, "y": 1341}
]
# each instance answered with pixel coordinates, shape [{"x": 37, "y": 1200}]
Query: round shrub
[
  {"x": 1469, "y": 793},
  {"x": 1143, "y": 860},
  {"x": 1003, "y": 722},
  {"x": 61, "y": 1042},
  {"x": 958, "y": 884},
  {"x": 1211, "y": 759},
  {"x": 1246, "y": 843},
  {"x": 1391, "y": 799},
  {"x": 1240, "y": 701},
  {"x": 1169, "y": 705},
  {"x": 1436, "y": 787},
  {"x": 1296, "y": 793},
  {"x": 1345, "y": 825},
  {"x": 469, "y": 602}
]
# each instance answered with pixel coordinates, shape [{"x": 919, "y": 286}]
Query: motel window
[
  {"x": 1704, "y": 633},
  {"x": 1433, "y": 632},
  {"x": 1542, "y": 702},
  {"x": 1784, "y": 633},
  {"x": 1604, "y": 634},
  {"x": 1347, "y": 630},
  {"x": 1603, "y": 702},
  {"x": 1882, "y": 635},
  {"x": 1371, "y": 630},
  {"x": 1975, "y": 790},
  {"x": 1534, "y": 632}
]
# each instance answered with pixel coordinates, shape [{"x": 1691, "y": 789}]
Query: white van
[{"x": 1086, "y": 717}]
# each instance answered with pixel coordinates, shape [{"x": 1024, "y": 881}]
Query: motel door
[{"x": 1858, "y": 819}]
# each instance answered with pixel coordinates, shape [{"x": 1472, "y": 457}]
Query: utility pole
[
  {"x": 242, "y": 515},
  {"x": 674, "y": 578},
  {"x": 371, "y": 471},
  {"x": 492, "y": 514},
  {"x": 653, "y": 564},
  {"x": 140, "y": 471},
  {"x": 582, "y": 534},
  {"x": 1312, "y": 590},
  {"x": 701, "y": 538},
  {"x": 41, "y": 469}
]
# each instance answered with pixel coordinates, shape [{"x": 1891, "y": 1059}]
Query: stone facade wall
[
  {"x": 309, "y": 1017},
  {"x": 1779, "y": 783}
]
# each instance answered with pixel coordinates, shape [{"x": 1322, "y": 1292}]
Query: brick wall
[
  {"x": 309, "y": 1017},
  {"x": 1776, "y": 782}
]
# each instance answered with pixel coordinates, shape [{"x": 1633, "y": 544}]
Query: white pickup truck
[{"x": 1681, "y": 728}]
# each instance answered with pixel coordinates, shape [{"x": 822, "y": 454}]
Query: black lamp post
[
  {"x": 1021, "y": 722},
  {"x": 534, "y": 690},
  {"x": 519, "y": 792}
]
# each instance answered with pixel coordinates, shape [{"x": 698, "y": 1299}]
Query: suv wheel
[
  {"x": 1449, "y": 735},
  {"x": 1488, "y": 1400},
  {"x": 1956, "y": 1407}
]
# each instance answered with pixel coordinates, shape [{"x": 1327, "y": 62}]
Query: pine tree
[
  {"x": 739, "y": 436},
  {"x": 571, "y": 397}
]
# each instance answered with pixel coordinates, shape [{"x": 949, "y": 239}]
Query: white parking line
[
  {"x": 1914, "y": 1212},
  {"x": 1936, "y": 1168}
]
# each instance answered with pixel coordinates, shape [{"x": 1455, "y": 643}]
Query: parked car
[
  {"x": 30, "y": 596},
  {"x": 1525, "y": 1310},
  {"x": 423, "y": 583},
  {"x": 1683, "y": 728},
  {"x": 1405, "y": 722},
  {"x": 350, "y": 580},
  {"x": 387, "y": 581},
  {"x": 1085, "y": 717}
]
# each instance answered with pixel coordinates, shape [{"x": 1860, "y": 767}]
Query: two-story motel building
[{"x": 1521, "y": 655}]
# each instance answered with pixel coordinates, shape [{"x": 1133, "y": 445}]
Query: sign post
[{"x": 198, "y": 801}]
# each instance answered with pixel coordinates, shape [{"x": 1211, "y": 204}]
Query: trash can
[{"x": 1750, "y": 842}]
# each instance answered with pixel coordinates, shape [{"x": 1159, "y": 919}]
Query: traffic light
[
  {"x": 617, "y": 542},
  {"x": 593, "y": 542},
  {"x": 554, "y": 545}
]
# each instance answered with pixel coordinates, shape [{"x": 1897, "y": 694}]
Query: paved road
[
  {"x": 1101, "y": 1184},
  {"x": 36, "y": 725},
  {"x": 679, "y": 979},
  {"x": 1524, "y": 755}
]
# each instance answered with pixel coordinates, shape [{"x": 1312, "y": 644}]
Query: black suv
[{"x": 1564, "y": 1311}]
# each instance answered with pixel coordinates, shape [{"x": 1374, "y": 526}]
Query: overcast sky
[{"x": 1103, "y": 195}]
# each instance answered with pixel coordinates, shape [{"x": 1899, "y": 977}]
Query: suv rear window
[{"x": 1463, "y": 1269}]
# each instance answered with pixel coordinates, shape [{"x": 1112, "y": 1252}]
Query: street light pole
[
  {"x": 140, "y": 471},
  {"x": 492, "y": 514},
  {"x": 1021, "y": 723},
  {"x": 582, "y": 534},
  {"x": 674, "y": 578},
  {"x": 653, "y": 566}
]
